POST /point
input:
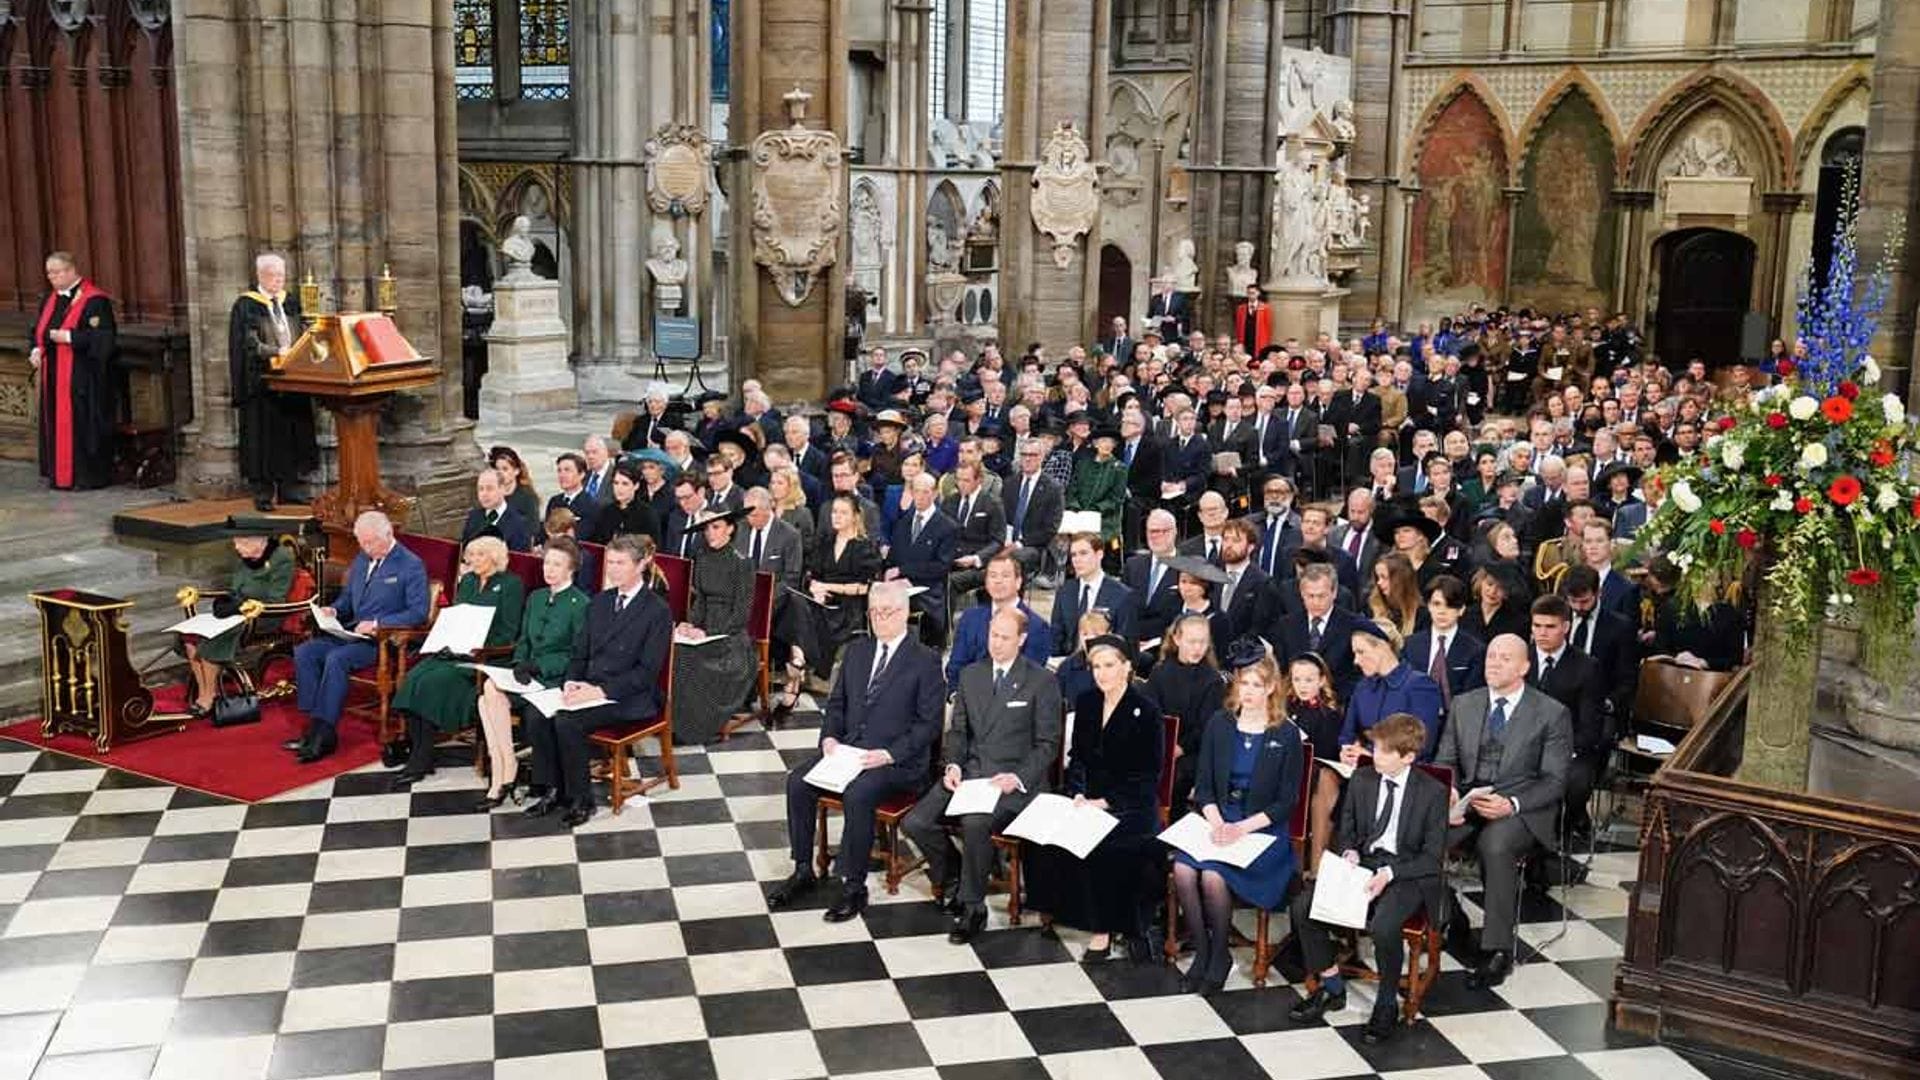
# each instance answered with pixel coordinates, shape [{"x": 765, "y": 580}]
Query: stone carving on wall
[
  {"x": 1459, "y": 228},
  {"x": 1342, "y": 121},
  {"x": 668, "y": 269},
  {"x": 1311, "y": 83},
  {"x": 963, "y": 145},
  {"x": 679, "y": 160},
  {"x": 1300, "y": 218},
  {"x": 1241, "y": 272},
  {"x": 1066, "y": 192},
  {"x": 518, "y": 250},
  {"x": 1563, "y": 239},
  {"x": 1349, "y": 216},
  {"x": 69, "y": 15},
  {"x": 1130, "y": 127},
  {"x": 797, "y": 213},
  {"x": 870, "y": 243},
  {"x": 1184, "y": 270},
  {"x": 1708, "y": 150}
]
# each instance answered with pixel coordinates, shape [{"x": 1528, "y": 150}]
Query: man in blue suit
[
  {"x": 888, "y": 701},
  {"x": 1088, "y": 588},
  {"x": 921, "y": 550},
  {"x": 386, "y": 586},
  {"x": 1003, "y": 582}
]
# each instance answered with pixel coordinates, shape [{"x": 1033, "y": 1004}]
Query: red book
[{"x": 382, "y": 341}]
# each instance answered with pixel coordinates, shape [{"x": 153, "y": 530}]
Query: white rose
[
  {"x": 1886, "y": 499},
  {"x": 1684, "y": 498},
  {"x": 1803, "y": 408},
  {"x": 1895, "y": 409},
  {"x": 1782, "y": 500},
  {"x": 1813, "y": 455},
  {"x": 1735, "y": 455},
  {"x": 1869, "y": 371}
]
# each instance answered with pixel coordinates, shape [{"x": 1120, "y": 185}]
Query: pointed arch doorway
[{"x": 1705, "y": 291}]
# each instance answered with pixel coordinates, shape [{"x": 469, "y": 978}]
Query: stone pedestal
[
  {"x": 1300, "y": 309},
  {"x": 527, "y": 374}
]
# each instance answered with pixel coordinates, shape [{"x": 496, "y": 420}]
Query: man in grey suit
[
  {"x": 1005, "y": 728},
  {"x": 769, "y": 543},
  {"x": 1518, "y": 742}
]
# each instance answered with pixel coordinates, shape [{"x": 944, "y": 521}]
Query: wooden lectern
[
  {"x": 87, "y": 683},
  {"x": 352, "y": 363}
]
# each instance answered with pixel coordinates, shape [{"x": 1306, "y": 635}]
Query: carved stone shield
[
  {"x": 679, "y": 160},
  {"x": 799, "y": 183},
  {"x": 1066, "y": 192}
]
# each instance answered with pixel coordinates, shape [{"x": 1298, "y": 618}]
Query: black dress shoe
[
  {"x": 1379, "y": 1029},
  {"x": 546, "y": 804},
  {"x": 851, "y": 903},
  {"x": 299, "y": 742},
  {"x": 1099, "y": 955},
  {"x": 1492, "y": 971},
  {"x": 409, "y": 778},
  {"x": 263, "y": 504},
  {"x": 577, "y": 816},
  {"x": 967, "y": 926},
  {"x": 1318, "y": 1004},
  {"x": 950, "y": 902},
  {"x": 798, "y": 886},
  {"x": 323, "y": 744}
]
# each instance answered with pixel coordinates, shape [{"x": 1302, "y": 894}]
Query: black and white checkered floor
[{"x": 346, "y": 931}]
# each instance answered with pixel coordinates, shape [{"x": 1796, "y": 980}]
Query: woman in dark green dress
[
  {"x": 437, "y": 695},
  {"x": 1100, "y": 482},
  {"x": 554, "y": 616},
  {"x": 711, "y": 680},
  {"x": 264, "y": 572}
]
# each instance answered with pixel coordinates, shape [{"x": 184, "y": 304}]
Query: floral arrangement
[{"x": 1815, "y": 477}]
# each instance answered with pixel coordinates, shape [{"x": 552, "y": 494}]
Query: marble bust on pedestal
[{"x": 669, "y": 271}]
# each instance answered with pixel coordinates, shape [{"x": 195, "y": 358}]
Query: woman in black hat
[
  {"x": 1114, "y": 764},
  {"x": 263, "y": 570},
  {"x": 1614, "y": 488},
  {"x": 711, "y": 679}
]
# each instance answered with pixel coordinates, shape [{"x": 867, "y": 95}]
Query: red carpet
[{"x": 244, "y": 763}]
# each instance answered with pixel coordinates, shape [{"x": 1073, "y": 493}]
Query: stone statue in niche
[
  {"x": 1241, "y": 274},
  {"x": 959, "y": 145},
  {"x": 1184, "y": 271},
  {"x": 668, "y": 269},
  {"x": 1342, "y": 121},
  {"x": 1347, "y": 213},
  {"x": 1299, "y": 218},
  {"x": 1066, "y": 192},
  {"x": 942, "y": 253},
  {"x": 518, "y": 249},
  {"x": 1709, "y": 150},
  {"x": 865, "y": 214}
]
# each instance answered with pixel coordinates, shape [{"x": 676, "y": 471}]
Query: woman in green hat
[
  {"x": 437, "y": 695},
  {"x": 263, "y": 571}
]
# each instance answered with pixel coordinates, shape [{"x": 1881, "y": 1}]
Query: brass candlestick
[
  {"x": 309, "y": 298},
  {"x": 388, "y": 292}
]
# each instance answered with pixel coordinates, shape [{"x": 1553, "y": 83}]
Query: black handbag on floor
[{"x": 236, "y": 705}]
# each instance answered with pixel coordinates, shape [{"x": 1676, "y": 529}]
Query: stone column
[
  {"x": 1890, "y": 187},
  {"x": 1780, "y": 207},
  {"x": 1375, "y": 33},
  {"x": 1635, "y": 204},
  {"x": 610, "y": 110},
  {"x": 780, "y": 45},
  {"x": 326, "y": 132},
  {"x": 1236, "y": 75}
]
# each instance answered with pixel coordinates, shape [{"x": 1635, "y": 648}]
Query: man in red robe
[
  {"x": 73, "y": 352},
  {"x": 1253, "y": 323}
]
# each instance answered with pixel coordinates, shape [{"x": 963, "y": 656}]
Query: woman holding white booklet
[
  {"x": 1114, "y": 764},
  {"x": 1247, "y": 781},
  {"x": 554, "y": 616},
  {"x": 437, "y": 694}
]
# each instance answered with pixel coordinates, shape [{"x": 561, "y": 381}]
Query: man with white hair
[
  {"x": 385, "y": 587},
  {"x": 650, "y": 427},
  {"x": 599, "y": 456},
  {"x": 1152, "y": 580},
  {"x": 679, "y": 447},
  {"x": 276, "y": 446}
]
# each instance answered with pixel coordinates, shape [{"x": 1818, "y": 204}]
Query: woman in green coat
[
  {"x": 553, "y": 619},
  {"x": 1100, "y": 482},
  {"x": 437, "y": 695},
  {"x": 264, "y": 572}
]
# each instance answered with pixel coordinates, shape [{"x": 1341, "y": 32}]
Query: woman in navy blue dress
[
  {"x": 1388, "y": 686},
  {"x": 1248, "y": 781}
]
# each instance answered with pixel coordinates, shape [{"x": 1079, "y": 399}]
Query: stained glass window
[
  {"x": 473, "y": 48},
  {"x": 722, "y": 50},
  {"x": 545, "y": 33}
]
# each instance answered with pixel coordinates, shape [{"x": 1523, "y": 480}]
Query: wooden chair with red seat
[
  {"x": 677, "y": 575},
  {"x": 1297, "y": 822},
  {"x": 887, "y": 818},
  {"x": 760, "y": 632},
  {"x": 619, "y": 742},
  {"x": 1010, "y": 845},
  {"x": 1423, "y": 935}
]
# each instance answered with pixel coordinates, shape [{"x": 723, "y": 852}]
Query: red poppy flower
[
  {"x": 1718, "y": 527},
  {"x": 1773, "y": 480},
  {"x": 1803, "y": 505},
  {"x": 1844, "y": 490},
  {"x": 1783, "y": 368},
  {"x": 1776, "y": 420},
  {"x": 1837, "y": 410},
  {"x": 1726, "y": 423},
  {"x": 1861, "y": 575},
  {"x": 1916, "y": 506},
  {"x": 1882, "y": 455},
  {"x": 1747, "y": 538},
  {"x": 1849, "y": 389}
]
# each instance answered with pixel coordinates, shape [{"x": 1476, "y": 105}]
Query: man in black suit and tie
[
  {"x": 571, "y": 471},
  {"x": 650, "y": 427},
  {"x": 1612, "y": 640},
  {"x": 982, "y": 524},
  {"x": 1167, "y": 311},
  {"x": 887, "y": 702},
  {"x": 1575, "y": 680},
  {"x": 614, "y": 678},
  {"x": 1617, "y": 595},
  {"x": 1118, "y": 344},
  {"x": 1355, "y": 535},
  {"x": 808, "y": 458},
  {"x": 1247, "y": 596},
  {"x": 1271, "y": 450},
  {"x": 1450, "y": 656},
  {"x": 1189, "y": 457},
  {"x": 1005, "y": 729},
  {"x": 1148, "y": 577},
  {"x": 677, "y": 534},
  {"x": 599, "y": 458},
  {"x": 723, "y": 494},
  {"x": 1088, "y": 589},
  {"x": 1300, "y": 426},
  {"x": 921, "y": 550},
  {"x": 879, "y": 388},
  {"x": 1033, "y": 505},
  {"x": 1354, "y": 416},
  {"x": 1146, "y": 466},
  {"x": 493, "y": 514},
  {"x": 1277, "y": 525},
  {"x": 1393, "y": 822},
  {"x": 1319, "y": 627},
  {"x": 769, "y": 543},
  {"x": 1516, "y": 742}
]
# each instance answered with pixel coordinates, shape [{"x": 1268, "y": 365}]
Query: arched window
[
  {"x": 473, "y": 49},
  {"x": 489, "y": 33},
  {"x": 544, "y": 49},
  {"x": 1836, "y": 201}
]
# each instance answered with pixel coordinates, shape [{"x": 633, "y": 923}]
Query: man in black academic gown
[
  {"x": 277, "y": 444},
  {"x": 73, "y": 352}
]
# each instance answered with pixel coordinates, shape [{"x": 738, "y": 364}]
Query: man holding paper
[
  {"x": 1393, "y": 826},
  {"x": 1003, "y": 738},
  {"x": 386, "y": 585},
  {"x": 888, "y": 702}
]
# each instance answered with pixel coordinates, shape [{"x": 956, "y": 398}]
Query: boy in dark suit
[
  {"x": 921, "y": 550},
  {"x": 889, "y": 701},
  {"x": 1088, "y": 588},
  {"x": 1393, "y": 822},
  {"x": 1449, "y": 655}
]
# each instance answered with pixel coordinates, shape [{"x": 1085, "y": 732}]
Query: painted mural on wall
[
  {"x": 1459, "y": 240},
  {"x": 1563, "y": 241}
]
